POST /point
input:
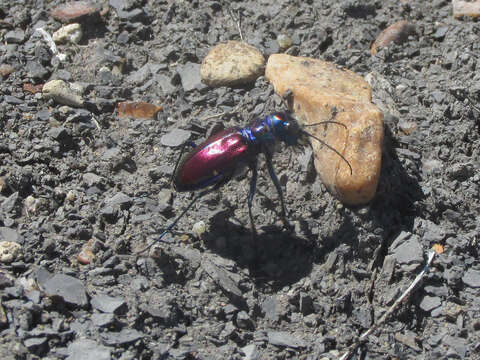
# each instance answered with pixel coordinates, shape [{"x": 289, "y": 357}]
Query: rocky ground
[{"x": 82, "y": 189}]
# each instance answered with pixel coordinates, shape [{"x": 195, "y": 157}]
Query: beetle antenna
[
  {"x": 328, "y": 146},
  {"x": 326, "y": 122}
]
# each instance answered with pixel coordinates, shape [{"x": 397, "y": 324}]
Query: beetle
[{"x": 214, "y": 162}]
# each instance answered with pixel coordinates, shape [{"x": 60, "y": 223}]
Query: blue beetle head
[{"x": 285, "y": 128}]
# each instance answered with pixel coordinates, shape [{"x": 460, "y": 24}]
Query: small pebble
[
  {"x": 232, "y": 63},
  {"x": 397, "y": 32},
  {"x": 71, "y": 196},
  {"x": 5, "y": 70},
  {"x": 9, "y": 251},
  {"x": 137, "y": 110},
  {"x": 14, "y": 37},
  {"x": 199, "y": 228},
  {"x": 284, "y": 41},
  {"x": 175, "y": 138},
  {"x": 472, "y": 278},
  {"x": 466, "y": 8},
  {"x": 86, "y": 256},
  {"x": 71, "y": 33},
  {"x": 62, "y": 93},
  {"x": 74, "y": 10}
]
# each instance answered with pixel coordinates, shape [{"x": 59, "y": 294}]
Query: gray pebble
[
  {"x": 251, "y": 352},
  {"x": 108, "y": 304},
  {"x": 103, "y": 320},
  {"x": 15, "y": 36},
  {"x": 428, "y": 303},
  {"x": 11, "y": 235},
  {"x": 36, "y": 70},
  {"x": 175, "y": 138},
  {"x": 12, "y": 100},
  {"x": 120, "y": 199},
  {"x": 190, "y": 76},
  {"x": 406, "y": 249},
  {"x": 85, "y": 349},
  {"x": 68, "y": 288},
  {"x": 472, "y": 278},
  {"x": 285, "y": 339},
  {"x": 124, "y": 337},
  {"x": 224, "y": 279},
  {"x": 244, "y": 321}
]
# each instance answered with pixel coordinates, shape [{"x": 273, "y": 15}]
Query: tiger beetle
[{"x": 214, "y": 162}]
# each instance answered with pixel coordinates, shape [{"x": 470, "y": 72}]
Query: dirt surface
[{"x": 82, "y": 179}]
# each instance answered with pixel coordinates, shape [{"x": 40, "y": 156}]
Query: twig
[
  {"x": 234, "y": 110},
  {"x": 237, "y": 21},
  {"x": 96, "y": 123},
  {"x": 392, "y": 308},
  {"x": 53, "y": 48}
]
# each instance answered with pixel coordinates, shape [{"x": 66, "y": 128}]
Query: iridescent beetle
[{"x": 214, "y": 162}]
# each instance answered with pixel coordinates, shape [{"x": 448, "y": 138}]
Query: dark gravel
[{"x": 75, "y": 178}]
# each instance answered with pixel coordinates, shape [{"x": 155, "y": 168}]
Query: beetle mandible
[{"x": 214, "y": 162}]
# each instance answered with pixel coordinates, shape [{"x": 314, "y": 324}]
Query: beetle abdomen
[{"x": 212, "y": 161}]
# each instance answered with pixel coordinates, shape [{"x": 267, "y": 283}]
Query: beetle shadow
[{"x": 274, "y": 257}]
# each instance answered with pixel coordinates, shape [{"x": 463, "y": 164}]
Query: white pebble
[
  {"x": 9, "y": 251},
  {"x": 71, "y": 33},
  {"x": 70, "y": 196},
  {"x": 62, "y": 93},
  {"x": 199, "y": 228}
]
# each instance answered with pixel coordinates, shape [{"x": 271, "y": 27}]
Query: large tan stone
[
  {"x": 323, "y": 92},
  {"x": 464, "y": 8},
  {"x": 232, "y": 63}
]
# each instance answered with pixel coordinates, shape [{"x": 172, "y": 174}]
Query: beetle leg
[
  {"x": 182, "y": 151},
  {"x": 172, "y": 225},
  {"x": 273, "y": 176},
  {"x": 253, "y": 186}
]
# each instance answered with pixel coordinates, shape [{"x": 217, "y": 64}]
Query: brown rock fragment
[
  {"x": 31, "y": 88},
  {"x": 232, "y": 63},
  {"x": 86, "y": 256},
  {"x": 324, "y": 92},
  {"x": 397, "y": 32},
  {"x": 74, "y": 11},
  {"x": 137, "y": 110},
  {"x": 465, "y": 8}
]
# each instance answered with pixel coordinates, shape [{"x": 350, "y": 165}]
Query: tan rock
[
  {"x": 86, "y": 256},
  {"x": 397, "y": 32},
  {"x": 232, "y": 63},
  {"x": 71, "y": 33},
  {"x": 62, "y": 93},
  {"x": 9, "y": 251},
  {"x": 137, "y": 110},
  {"x": 322, "y": 92},
  {"x": 6, "y": 69},
  {"x": 464, "y": 8}
]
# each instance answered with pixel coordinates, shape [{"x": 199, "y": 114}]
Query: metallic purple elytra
[
  {"x": 222, "y": 154},
  {"x": 211, "y": 161},
  {"x": 214, "y": 162}
]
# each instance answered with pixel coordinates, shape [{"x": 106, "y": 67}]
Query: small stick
[
  {"x": 234, "y": 110},
  {"x": 53, "y": 48},
  {"x": 237, "y": 21},
  {"x": 363, "y": 338}
]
